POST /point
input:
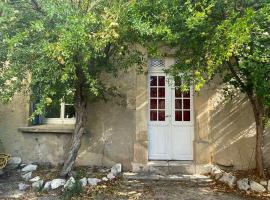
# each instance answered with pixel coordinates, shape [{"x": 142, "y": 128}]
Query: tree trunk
[
  {"x": 259, "y": 115},
  {"x": 258, "y": 110},
  {"x": 80, "y": 110}
]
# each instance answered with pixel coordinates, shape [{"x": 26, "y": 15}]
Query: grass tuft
[{"x": 75, "y": 190}]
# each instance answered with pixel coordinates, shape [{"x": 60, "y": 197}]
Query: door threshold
[{"x": 169, "y": 162}]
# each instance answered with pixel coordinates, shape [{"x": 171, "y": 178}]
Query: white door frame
[{"x": 169, "y": 121}]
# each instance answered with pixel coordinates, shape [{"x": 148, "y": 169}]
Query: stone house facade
[{"x": 151, "y": 121}]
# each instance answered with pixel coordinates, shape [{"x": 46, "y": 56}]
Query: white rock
[
  {"x": 110, "y": 176},
  {"x": 229, "y": 179},
  {"x": 37, "y": 185},
  {"x": 23, "y": 187},
  {"x": 14, "y": 162},
  {"x": 27, "y": 176},
  {"x": 256, "y": 187},
  {"x": 56, "y": 183},
  {"x": 199, "y": 177},
  {"x": 268, "y": 187},
  {"x": 105, "y": 170},
  {"x": 37, "y": 178},
  {"x": 29, "y": 168},
  {"x": 116, "y": 169},
  {"x": 216, "y": 170},
  {"x": 93, "y": 181},
  {"x": 218, "y": 176},
  {"x": 206, "y": 169},
  {"x": 22, "y": 165},
  {"x": 104, "y": 179},
  {"x": 243, "y": 184},
  {"x": 47, "y": 186},
  {"x": 70, "y": 183},
  {"x": 83, "y": 181},
  {"x": 264, "y": 183}
]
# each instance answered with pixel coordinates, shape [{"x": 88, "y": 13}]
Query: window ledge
[{"x": 65, "y": 129}]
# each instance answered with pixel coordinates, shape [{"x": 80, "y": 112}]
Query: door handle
[{"x": 167, "y": 115}]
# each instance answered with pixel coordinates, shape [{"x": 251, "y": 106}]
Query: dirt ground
[
  {"x": 125, "y": 189},
  {"x": 173, "y": 190}
]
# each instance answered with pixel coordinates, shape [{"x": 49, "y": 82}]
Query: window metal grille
[{"x": 157, "y": 63}]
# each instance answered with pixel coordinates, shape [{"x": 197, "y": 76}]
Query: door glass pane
[
  {"x": 153, "y": 115},
  {"x": 177, "y": 81},
  {"x": 161, "y": 103},
  {"x": 153, "y": 92},
  {"x": 161, "y": 116},
  {"x": 178, "y": 115},
  {"x": 153, "y": 103},
  {"x": 157, "y": 98},
  {"x": 186, "y": 103},
  {"x": 161, "y": 92},
  {"x": 178, "y": 103},
  {"x": 161, "y": 80},
  {"x": 178, "y": 92},
  {"x": 186, "y": 94},
  {"x": 153, "y": 81},
  {"x": 186, "y": 115}
]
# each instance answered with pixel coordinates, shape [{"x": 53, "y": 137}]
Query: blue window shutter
[{"x": 37, "y": 119}]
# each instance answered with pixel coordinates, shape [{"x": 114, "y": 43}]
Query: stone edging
[{"x": 243, "y": 184}]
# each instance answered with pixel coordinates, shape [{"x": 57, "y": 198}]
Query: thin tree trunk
[
  {"x": 260, "y": 127},
  {"x": 80, "y": 110},
  {"x": 259, "y": 114}
]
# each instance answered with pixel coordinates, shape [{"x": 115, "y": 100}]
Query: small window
[{"x": 62, "y": 113}]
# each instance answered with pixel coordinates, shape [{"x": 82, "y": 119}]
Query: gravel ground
[
  {"x": 128, "y": 189},
  {"x": 171, "y": 190},
  {"x": 123, "y": 189}
]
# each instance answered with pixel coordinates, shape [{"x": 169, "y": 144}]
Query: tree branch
[
  {"x": 35, "y": 5},
  {"x": 234, "y": 73},
  {"x": 107, "y": 50}
]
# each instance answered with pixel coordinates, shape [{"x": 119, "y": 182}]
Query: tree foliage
[
  {"x": 229, "y": 39},
  {"x": 43, "y": 42},
  {"x": 208, "y": 35},
  {"x": 55, "y": 49}
]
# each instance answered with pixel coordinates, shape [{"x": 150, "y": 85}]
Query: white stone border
[
  {"x": 243, "y": 184},
  {"x": 38, "y": 184}
]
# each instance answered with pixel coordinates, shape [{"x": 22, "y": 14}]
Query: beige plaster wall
[
  {"x": 225, "y": 129},
  {"x": 11, "y": 117},
  {"x": 141, "y": 138},
  {"x": 31, "y": 147},
  {"x": 117, "y": 129},
  {"x": 110, "y": 137},
  {"x": 111, "y": 127}
]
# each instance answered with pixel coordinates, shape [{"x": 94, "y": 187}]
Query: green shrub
[{"x": 75, "y": 190}]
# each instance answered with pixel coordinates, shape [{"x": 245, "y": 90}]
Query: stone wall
[
  {"x": 111, "y": 126},
  {"x": 12, "y": 116},
  {"x": 117, "y": 129},
  {"x": 225, "y": 128},
  {"x": 110, "y": 130}
]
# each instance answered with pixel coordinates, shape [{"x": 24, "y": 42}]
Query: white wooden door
[{"x": 170, "y": 121}]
